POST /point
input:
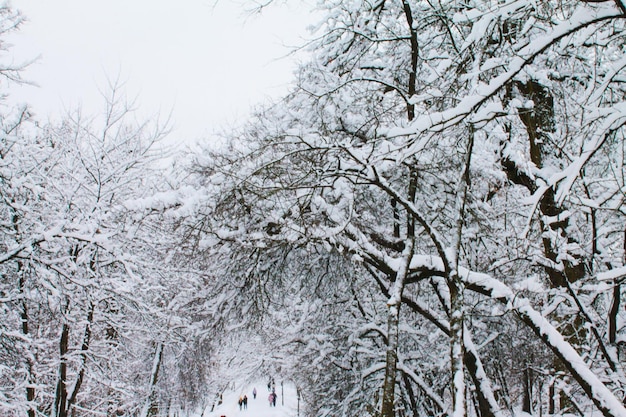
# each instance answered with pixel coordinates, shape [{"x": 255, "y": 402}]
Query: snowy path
[{"x": 286, "y": 406}]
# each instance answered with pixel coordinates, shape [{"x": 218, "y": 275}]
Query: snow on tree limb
[
  {"x": 436, "y": 122},
  {"x": 35, "y": 240},
  {"x": 601, "y": 396},
  {"x": 615, "y": 119}
]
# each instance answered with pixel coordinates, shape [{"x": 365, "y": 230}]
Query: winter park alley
[
  {"x": 286, "y": 405},
  {"x": 429, "y": 219}
]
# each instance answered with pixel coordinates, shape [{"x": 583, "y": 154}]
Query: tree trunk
[
  {"x": 539, "y": 122},
  {"x": 387, "y": 408},
  {"x": 527, "y": 397},
  {"x": 30, "y": 390},
  {"x": 151, "y": 407},
  {"x": 551, "y": 397},
  {"x": 393, "y": 320},
  {"x": 456, "y": 286},
  {"x": 614, "y": 311},
  {"x": 60, "y": 398},
  {"x": 83, "y": 350},
  {"x": 457, "y": 349},
  {"x": 30, "y": 361}
]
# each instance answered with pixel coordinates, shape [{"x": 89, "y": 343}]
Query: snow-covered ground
[{"x": 286, "y": 402}]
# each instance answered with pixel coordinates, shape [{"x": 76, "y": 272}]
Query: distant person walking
[
  {"x": 272, "y": 399},
  {"x": 254, "y": 393}
]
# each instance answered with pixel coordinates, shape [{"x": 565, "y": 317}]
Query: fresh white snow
[{"x": 286, "y": 402}]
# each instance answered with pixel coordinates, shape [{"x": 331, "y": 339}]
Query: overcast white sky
[{"x": 206, "y": 62}]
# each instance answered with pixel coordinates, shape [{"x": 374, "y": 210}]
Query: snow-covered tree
[
  {"x": 87, "y": 310},
  {"x": 467, "y": 158}
]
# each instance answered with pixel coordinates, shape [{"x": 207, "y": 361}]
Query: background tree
[{"x": 88, "y": 306}]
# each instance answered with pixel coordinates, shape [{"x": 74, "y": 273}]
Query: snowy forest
[{"x": 430, "y": 223}]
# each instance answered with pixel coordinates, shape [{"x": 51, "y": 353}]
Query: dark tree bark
[
  {"x": 527, "y": 398},
  {"x": 83, "y": 350},
  {"x": 30, "y": 390},
  {"x": 60, "y": 397},
  {"x": 614, "y": 311},
  {"x": 540, "y": 124},
  {"x": 391, "y": 362}
]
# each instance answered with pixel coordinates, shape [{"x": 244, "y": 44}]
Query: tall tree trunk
[
  {"x": 387, "y": 408},
  {"x": 83, "y": 351},
  {"x": 540, "y": 124},
  {"x": 527, "y": 397},
  {"x": 393, "y": 305},
  {"x": 60, "y": 397},
  {"x": 30, "y": 360},
  {"x": 396, "y": 218},
  {"x": 150, "y": 407},
  {"x": 614, "y": 311},
  {"x": 539, "y": 121},
  {"x": 456, "y": 286},
  {"x": 551, "y": 397},
  {"x": 408, "y": 14},
  {"x": 30, "y": 390},
  {"x": 457, "y": 348},
  {"x": 393, "y": 320}
]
